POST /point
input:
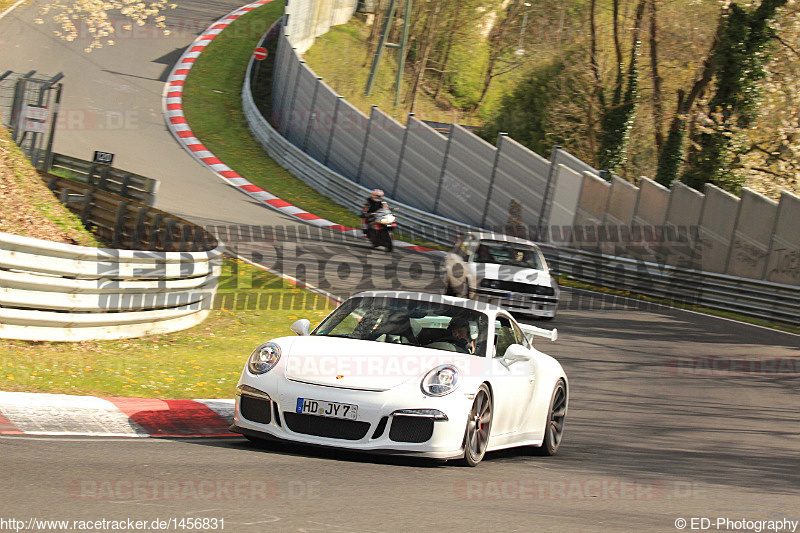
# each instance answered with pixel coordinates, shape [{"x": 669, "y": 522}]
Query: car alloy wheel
[
  {"x": 554, "y": 431},
  {"x": 479, "y": 426}
]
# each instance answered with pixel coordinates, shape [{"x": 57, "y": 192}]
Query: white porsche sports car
[{"x": 408, "y": 373}]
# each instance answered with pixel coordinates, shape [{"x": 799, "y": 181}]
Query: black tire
[
  {"x": 554, "y": 427},
  {"x": 476, "y": 435},
  {"x": 386, "y": 237},
  {"x": 448, "y": 289}
]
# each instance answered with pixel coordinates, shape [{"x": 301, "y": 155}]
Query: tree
[
  {"x": 617, "y": 117},
  {"x": 736, "y": 63}
]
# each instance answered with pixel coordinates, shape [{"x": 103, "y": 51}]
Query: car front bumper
[
  {"x": 379, "y": 428},
  {"x": 517, "y": 302}
]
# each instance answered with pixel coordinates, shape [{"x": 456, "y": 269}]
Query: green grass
[
  {"x": 339, "y": 57},
  {"x": 212, "y": 105},
  {"x": 201, "y": 362}
]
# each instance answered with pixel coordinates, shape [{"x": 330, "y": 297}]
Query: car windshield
[
  {"x": 508, "y": 253},
  {"x": 405, "y": 321}
]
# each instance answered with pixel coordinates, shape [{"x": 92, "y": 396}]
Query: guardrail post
[
  {"x": 86, "y": 212},
  {"x": 157, "y": 232},
  {"x": 139, "y": 228},
  {"x": 123, "y": 188},
  {"x": 103, "y": 183},
  {"x": 119, "y": 227},
  {"x": 90, "y": 176},
  {"x": 169, "y": 234}
]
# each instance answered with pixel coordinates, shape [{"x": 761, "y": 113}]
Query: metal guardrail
[
  {"x": 771, "y": 302},
  {"x": 126, "y": 223},
  {"x": 125, "y": 184},
  {"x": 767, "y": 301},
  {"x": 62, "y": 292}
]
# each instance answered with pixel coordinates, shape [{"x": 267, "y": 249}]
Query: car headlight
[
  {"x": 440, "y": 381},
  {"x": 264, "y": 358}
]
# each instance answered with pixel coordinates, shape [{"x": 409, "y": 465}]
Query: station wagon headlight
[
  {"x": 440, "y": 381},
  {"x": 264, "y": 358}
]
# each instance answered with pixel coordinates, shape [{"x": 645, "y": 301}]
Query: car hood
[
  {"x": 511, "y": 273},
  {"x": 357, "y": 364}
]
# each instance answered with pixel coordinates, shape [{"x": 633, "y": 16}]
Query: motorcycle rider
[
  {"x": 375, "y": 202},
  {"x": 378, "y": 220}
]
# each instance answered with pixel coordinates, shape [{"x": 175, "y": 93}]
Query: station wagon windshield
[
  {"x": 507, "y": 253},
  {"x": 413, "y": 322}
]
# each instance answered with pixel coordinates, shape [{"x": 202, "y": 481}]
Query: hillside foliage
[{"x": 696, "y": 90}]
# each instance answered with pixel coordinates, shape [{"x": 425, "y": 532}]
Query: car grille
[
  {"x": 411, "y": 429},
  {"x": 515, "y": 286},
  {"x": 255, "y": 409},
  {"x": 320, "y": 426}
]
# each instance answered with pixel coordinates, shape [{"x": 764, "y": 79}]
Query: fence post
[
  {"x": 550, "y": 176},
  {"x": 500, "y": 137},
  {"x": 119, "y": 227},
  {"x": 284, "y": 90},
  {"x": 366, "y": 142},
  {"x": 294, "y": 97},
  {"x": 402, "y": 155},
  {"x": 48, "y": 155},
  {"x": 333, "y": 129},
  {"x": 313, "y": 115},
  {"x": 444, "y": 168}
]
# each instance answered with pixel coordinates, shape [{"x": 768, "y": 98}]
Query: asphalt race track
[{"x": 673, "y": 415}]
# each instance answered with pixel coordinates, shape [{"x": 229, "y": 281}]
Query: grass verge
[
  {"x": 201, "y": 362},
  {"x": 27, "y": 207},
  {"x": 212, "y": 106}
]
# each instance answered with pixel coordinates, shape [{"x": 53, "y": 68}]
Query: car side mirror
[
  {"x": 516, "y": 353},
  {"x": 302, "y": 327}
]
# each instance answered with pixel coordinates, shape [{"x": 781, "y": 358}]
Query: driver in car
[{"x": 459, "y": 329}]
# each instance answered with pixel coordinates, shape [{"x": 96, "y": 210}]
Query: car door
[{"x": 513, "y": 384}]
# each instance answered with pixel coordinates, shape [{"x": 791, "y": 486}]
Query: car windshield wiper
[{"x": 345, "y": 335}]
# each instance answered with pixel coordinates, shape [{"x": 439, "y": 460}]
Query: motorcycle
[{"x": 379, "y": 226}]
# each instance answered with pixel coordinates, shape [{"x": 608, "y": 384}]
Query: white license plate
[{"x": 330, "y": 409}]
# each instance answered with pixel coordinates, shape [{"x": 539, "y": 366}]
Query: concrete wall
[
  {"x": 783, "y": 265},
  {"x": 591, "y": 212},
  {"x": 461, "y": 177},
  {"x": 717, "y": 223},
  {"x": 755, "y": 221}
]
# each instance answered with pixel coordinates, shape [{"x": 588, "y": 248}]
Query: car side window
[{"x": 504, "y": 335}]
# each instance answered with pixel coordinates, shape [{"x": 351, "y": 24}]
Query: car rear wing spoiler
[{"x": 551, "y": 334}]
